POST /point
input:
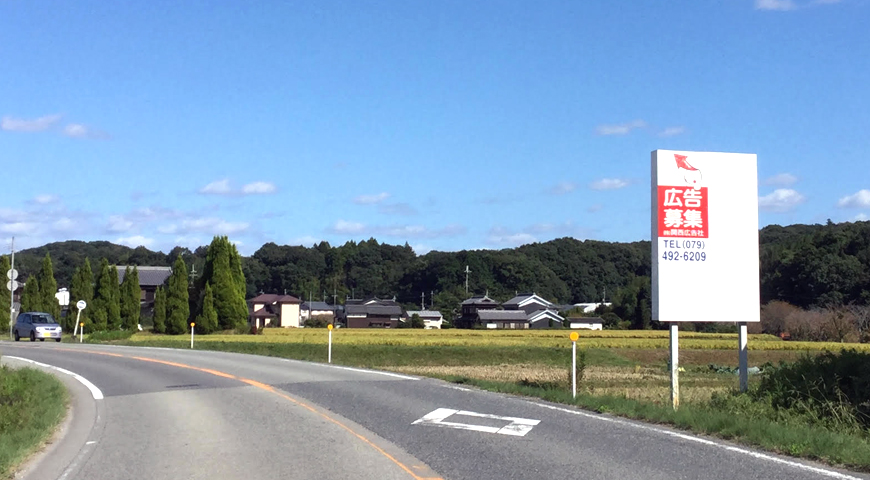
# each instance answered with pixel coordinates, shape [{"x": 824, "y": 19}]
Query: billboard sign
[{"x": 704, "y": 237}]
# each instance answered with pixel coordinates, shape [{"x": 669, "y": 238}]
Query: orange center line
[{"x": 270, "y": 389}]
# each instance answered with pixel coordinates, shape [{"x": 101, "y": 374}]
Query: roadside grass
[{"x": 32, "y": 404}]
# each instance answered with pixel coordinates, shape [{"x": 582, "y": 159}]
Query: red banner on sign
[{"x": 683, "y": 212}]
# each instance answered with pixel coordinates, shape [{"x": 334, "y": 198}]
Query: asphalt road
[{"x": 180, "y": 414}]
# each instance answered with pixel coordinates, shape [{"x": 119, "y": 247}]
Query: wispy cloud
[
  {"x": 620, "y": 129},
  {"x": 608, "y": 184},
  {"x": 861, "y": 199},
  {"x": 45, "y": 199},
  {"x": 397, "y": 209},
  {"x": 781, "y": 180},
  {"x": 223, "y": 187},
  {"x": 119, "y": 223},
  {"x": 371, "y": 199},
  {"x": 862, "y": 217},
  {"x": 259, "y": 188},
  {"x": 135, "y": 241},
  {"x": 41, "y": 124},
  {"x": 776, "y": 5},
  {"x": 305, "y": 241},
  {"x": 19, "y": 228},
  {"x": 506, "y": 237},
  {"x": 77, "y": 130},
  {"x": 503, "y": 238},
  {"x": 781, "y": 200},
  {"x": 343, "y": 227},
  {"x": 672, "y": 131},
  {"x": 562, "y": 188}
]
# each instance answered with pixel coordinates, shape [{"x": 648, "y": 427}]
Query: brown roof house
[
  {"x": 275, "y": 310},
  {"x": 371, "y": 313}
]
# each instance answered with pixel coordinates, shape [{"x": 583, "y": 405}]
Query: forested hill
[{"x": 802, "y": 264}]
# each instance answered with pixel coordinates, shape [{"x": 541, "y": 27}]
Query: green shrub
[{"x": 109, "y": 336}]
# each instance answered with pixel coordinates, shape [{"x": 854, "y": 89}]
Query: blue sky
[{"x": 445, "y": 124}]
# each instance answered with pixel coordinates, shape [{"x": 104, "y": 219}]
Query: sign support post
[
  {"x": 12, "y": 274},
  {"x": 574, "y": 336},
  {"x": 329, "y": 348},
  {"x": 675, "y": 365},
  {"x": 743, "y": 365}
]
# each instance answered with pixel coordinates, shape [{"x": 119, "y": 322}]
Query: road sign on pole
[
  {"x": 12, "y": 285},
  {"x": 12, "y": 274},
  {"x": 81, "y": 305}
]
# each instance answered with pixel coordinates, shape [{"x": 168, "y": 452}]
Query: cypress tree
[
  {"x": 177, "y": 307},
  {"x": 159, "y": 311},
  {"x": 113, "y": 307},
  {"x": 48, "y": 289},
  {"x": 30, "y": 300},
  {"x": 81, "y": 288},
  {"x": 5, "y": 305},
  {"x": 135, "y": 296},
  {"x": 223, "y": 271},
  {"x": 102, "y": 297},
  {"x": 207, "y": 321}
]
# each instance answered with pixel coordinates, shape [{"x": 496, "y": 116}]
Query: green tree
[
  {"x": 48, "y": 288},
  {"x": 223, "y": 272},
  {"x": 113, "y": 307},
  {"x": 160, "y": 310},
  {"x": 416, "y": 322},
  {"x": 130, "y": 295},
  {"x": 207, "y": 321},
  {"x": 102, "y": 297},
  {"x": 81, "y": 288},
  {"x": 5, "y": 299},
  {"x": 177, "y": 296},
  {"x": 30, "y": 299}
]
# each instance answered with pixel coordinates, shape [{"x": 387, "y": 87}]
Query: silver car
[{"x": 36, "y": 325}]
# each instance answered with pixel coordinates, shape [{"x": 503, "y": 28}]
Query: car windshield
[{"x": 42, "y": 319}]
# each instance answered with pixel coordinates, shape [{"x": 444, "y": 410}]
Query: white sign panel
[{"x": 704, "y": 237}]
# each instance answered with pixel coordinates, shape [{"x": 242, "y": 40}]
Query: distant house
[
  {"x": 275, "y": 310},
  {"x": 316, "y": 309},
  {"x": 371, "y": 313},
  {"x": 541, "y": 312},
  {"x": 431, "y": 319},
  {"x": 149, "y": 279},
  {"x": 503, "y": 319},
  {"x": 470, "y": 308},
  {"x": 587, "y": 323}
]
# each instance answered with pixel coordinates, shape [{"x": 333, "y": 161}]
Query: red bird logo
[{"x": 691, "y": 175}]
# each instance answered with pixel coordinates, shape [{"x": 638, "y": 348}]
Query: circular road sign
[
  {"x": 12, "y": 274},
  {"x": 12, "y": 285},
  {"x": 574, "y": 336},
  {"x": 81, "y": 304}
]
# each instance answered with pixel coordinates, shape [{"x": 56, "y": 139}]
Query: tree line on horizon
[{"x": 804, "y": 265}]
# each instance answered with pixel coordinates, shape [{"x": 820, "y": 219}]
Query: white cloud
[
  {"x": 45, "y": 199},
  {"x": 118, "y": 223},
  {"x": 672, "y": 131},
  {"x": 168, "y": 229},
  {"x": 135, "y": 241},
  {"x": 777, "y": 5},
  {"x": 371, "y": 199},
  {"x": 40, "y": 124},
  {"x": 620, "y": 129},
  {"x": 189, "y": 241},
  {"x": 861, "y": 199},
  {"x": 258, "y": 188},
  {"x": 862, "y": 217},
  {"x": 63, "y": 224},
  {"x": 782, "y": 180},
  {"x": 780, "y": 200},
  {"x": 77, "y": 130},
  {"x": 305, "y": 241},
  {"x": 12, "y": 215},
  {"x": 212, "y": 225},
  {"x": 19, "y": 228},
  {"x": 421, "y": 249},
  {"x": 501, "y": 237},
  {"x": 608, "y": 184},
  {"x": 218, "y": 187},
  {"x": 562, "y": 188},
  {"x": 345, "y": 227}
]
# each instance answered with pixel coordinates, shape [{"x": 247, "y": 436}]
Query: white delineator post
[
  {"x": 192, "y": 328},
  {"x": 329, "y": 347},
  {"x": 81, "y": 332},
  {"x": 574, "y": 336},
  {"x": 675, "y": 365},
  {"x": 743, "y": 365}
]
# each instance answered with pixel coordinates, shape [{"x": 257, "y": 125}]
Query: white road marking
[
  {"x": 98, "y": 395},
  {"x": 359, "y": 370},
  {"x": 461, "y": 389},
  {"x": 518, "y": 427},
  {"x": 730, "y": 448},
  {"x": 91, "y": 442}
]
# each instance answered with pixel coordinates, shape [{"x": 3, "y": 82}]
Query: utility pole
[
  {"x": 192, "y": 273},
  {"x": 467, "y": 271},
  {"x": 432, "y": 299},
  {"x": 423, "y": 301}
]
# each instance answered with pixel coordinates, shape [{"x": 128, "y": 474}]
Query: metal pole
[
  {"x": 329, "y": 354},
  {"x": 12, "y": 294},
  {"x": 742, "y": 340},
  {"x": 574, "y": 369},
  {"x": 76, "y": 327},
  {"x": 675, "y": 365}
]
